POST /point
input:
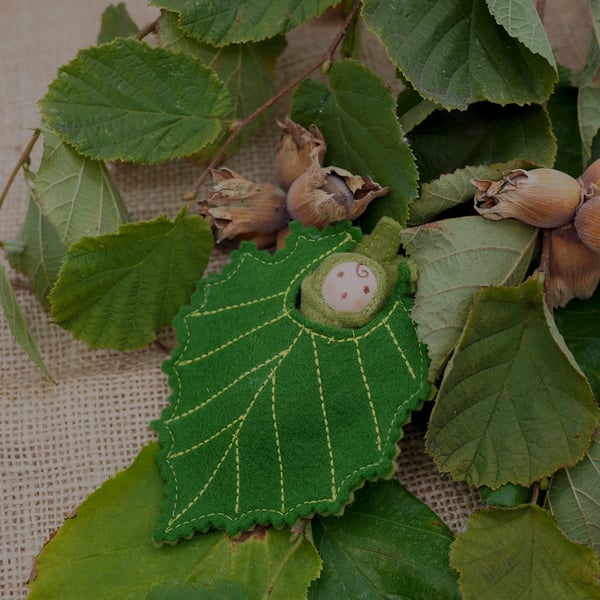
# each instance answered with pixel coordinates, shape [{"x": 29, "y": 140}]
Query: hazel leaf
[
  {"x": 268, "y": 406},
  {"x": 521, "y": 553},
  {"x": 126, "y": 100},
  {"x": 246, "y": 69},
  {"x": 43, "y": 251},
  {"x": 454, "y": 53},
  {"x": 17, "y": 322},
  {"x": 489, "y": 428},
  {"x": 574, "y": 498},
  {"x": 455, "y": 188},
  {"x": 588, "y": 101},
  {"x": 116, "y": 290},
  {"x": 238, "y": 21},
  {"x": 387, "y": 544},
  {"x": 579, "y": 323},
  {"x": 116, "y": 22},
  {"x": 483, "y": 134},
  {"x": 357, "y": 116},
  {"x": 77, "y": 194},
  {"x": 455, "y": 258},
  {"x": 106, "y": 551}
]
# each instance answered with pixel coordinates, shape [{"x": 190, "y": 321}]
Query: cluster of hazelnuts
[
  {"x": 303, "y": 190},
  {"x": 568, "y": 208}
]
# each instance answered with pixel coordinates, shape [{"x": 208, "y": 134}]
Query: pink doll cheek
[{"x": 349, "y": 287}]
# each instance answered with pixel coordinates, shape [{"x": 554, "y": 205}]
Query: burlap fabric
[{"x": 59, "y": 442}]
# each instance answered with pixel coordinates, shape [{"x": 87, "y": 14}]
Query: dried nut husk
[
  {"x": 325, "y": 195},
  {"x": 587, "y": 223},
  {"x": 590, "y": 178},
  {"x": 541, "y": 197},
  {"x": 574, "y": 268},
  {"x": 237, "y": 208},
  {"x": 295, "y": 149}
]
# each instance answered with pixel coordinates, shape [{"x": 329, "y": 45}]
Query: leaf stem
[
  {"x": 147, "y": 29},
  {"x": 544, "y": 267},
  {"x": 22, "y": 160},
  {"x": 243, "y": 123}
]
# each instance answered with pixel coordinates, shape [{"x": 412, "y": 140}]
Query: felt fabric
[{"x": 273, "y": 416}]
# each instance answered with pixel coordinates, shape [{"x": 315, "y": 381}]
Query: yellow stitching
[
  {"x": 324, "y": 412},
  {"x": 237, "y": 474},
  {"x": 277, "y": 445},
  {"x": 369, "y": 395},
  {"x": 399, "y": 348},
  {"x": 199, "y": 313},
  {"x": 230, "y": 342}
]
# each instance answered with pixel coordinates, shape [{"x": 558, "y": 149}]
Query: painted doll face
[{"x": 349, "y": 287}]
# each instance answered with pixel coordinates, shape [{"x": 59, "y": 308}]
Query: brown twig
[
  {"x": 243, "y": 123},
  {"x": 22, "y": 160},
  {"x": 147, "y": 30}
]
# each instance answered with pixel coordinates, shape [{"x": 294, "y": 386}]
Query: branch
[
  {"x": 243, "y": 123},
  {"x": 22, "y": 160}
]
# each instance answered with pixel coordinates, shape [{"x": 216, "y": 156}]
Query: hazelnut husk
[
  {"x": 237, "y": 208},
  {"x": 587, "y": 223},
  {"x": 574, "y": 269},
  {"x": 544, "y": 198},
  {"x": 325, "y": 195},
  {"x": 295, "y": 150}
]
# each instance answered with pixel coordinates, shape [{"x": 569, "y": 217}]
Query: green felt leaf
[
  {"x": 238, "y": 21},
  {"x": 17, "y": 323},
  {"x": 43, "y": 251},
  {"x": 387, "y": 544},
  {"x": 77, "y": 194},
  {"x": 115, "y": 23},
  {"x": 579, "y": 323},
  {"x": 274, "y": 417},
  {"x": 455, "y": 258},
  {"x": 483, "y": 134},
  {"x": 357, "y": 116},
  {"x": 574, "y": 498},
  {"x": 513, "y": 406},
  {"x": 453, "y": 189},
  {"x": 521, "y": 21},
  {"x": 107, "y": 552},
  {"x": 129, "y": 101},
  {"x": 246, "y": 69},
  {"x": 116, "y": 290},
  {"x": 454, "y": 53},
  {"x": 521, "y": 553}
]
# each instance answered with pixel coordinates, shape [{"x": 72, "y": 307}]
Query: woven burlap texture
[{"x": 59, "y": 442}]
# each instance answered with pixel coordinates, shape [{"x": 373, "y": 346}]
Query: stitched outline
[
  {"x": 369, "y": 395},
  {"x": 324, "y": 412}
]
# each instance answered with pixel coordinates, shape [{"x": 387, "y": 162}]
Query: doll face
[{"x": 349, "y": 287}]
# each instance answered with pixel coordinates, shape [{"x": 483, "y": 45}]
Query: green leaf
[
  {"x": 579, "y": 323},
  {"x": 106, "y": 551},
  {"x": 238, "y": 21},
  {"x": 412, "y": 109},
  {"x": 126, "y": 100},
  {"x": 387, "y": 544},
  {"x": 17, "y": 323},
  {"x": 116, "y": 290},
  {"x": 453, "y": 189},
  {"x": 77, "y": 194},
  {"x": 455, "y": 258},
  {"x": 521, "y": 21},
  {"x": 513, "y": 406},
  {"x": 275, "y": 417},
  {"x": 454, "y": 53},
  {"x": 42, "y": 254},
  {"x": 116, "y": 23},
  {"x": 357, "y": 117},
  {"x": 226, "y": 590},
  {"x": 508, "y": 495},
  {"x": 562, "y": 107},
  {"x": 588, "y": 102},
  {"x": 246, "y": 69},
  {"x": 574, "y": 498},
  {"x": 483, "y": 134},
  {"x": 521, "y": 553}
]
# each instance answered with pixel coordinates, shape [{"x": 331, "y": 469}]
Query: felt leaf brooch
[{"x": 292, "y": 379}]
